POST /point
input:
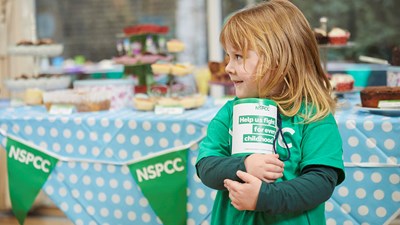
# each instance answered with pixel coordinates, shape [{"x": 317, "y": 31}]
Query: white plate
[
  {"x": 354, "y": 90},
  {"x": 37, "y": 50},
  {"x": 44, "y": 83},
  {"x": 379, "y": 111}
]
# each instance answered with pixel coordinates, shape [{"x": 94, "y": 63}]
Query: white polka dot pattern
[
  {"x": 101, "y": 193},
  {"x": 98, "y": 193},
  {"x": 368, "y": 195}
]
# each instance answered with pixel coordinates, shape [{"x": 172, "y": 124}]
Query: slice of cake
[{"x": 370, "y": 96}]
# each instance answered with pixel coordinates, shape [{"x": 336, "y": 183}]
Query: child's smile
[{"x": 236, "y": 82}]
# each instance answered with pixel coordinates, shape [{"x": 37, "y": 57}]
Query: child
[{"x": 273, "y": 54}]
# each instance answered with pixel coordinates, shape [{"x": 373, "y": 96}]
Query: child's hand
[
  {"x": 243, "y": 196},
  {"x": 266, "y": 167}
]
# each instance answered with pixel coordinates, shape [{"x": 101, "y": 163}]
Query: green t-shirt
[{"x": 317, "y": 143}]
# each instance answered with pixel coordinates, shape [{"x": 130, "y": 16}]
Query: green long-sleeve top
[{"x": 290, "y": 196}]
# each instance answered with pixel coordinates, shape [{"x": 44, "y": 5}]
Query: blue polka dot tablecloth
[
  {"x": 95, "y": 186},
  {"x": 370, "y": 193}
]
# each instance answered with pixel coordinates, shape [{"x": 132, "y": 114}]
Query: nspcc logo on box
[{"x": 254, "y": 125}]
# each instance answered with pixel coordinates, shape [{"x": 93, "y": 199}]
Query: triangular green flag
[
  {"x": 163, "y": 181},
  {"x": 28, "y": 170}
]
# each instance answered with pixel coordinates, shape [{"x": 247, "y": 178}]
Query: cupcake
[
  {"x": 33, "y": 96},
  {"x": 143, "y": 102},
  {"x": 342, "y": 82},
  {"x": 193, "y": 101},
  {"x": 338, "y": 36},
  {"x": 169, "y": 101},
  {"x": 161, "y": 68},
  {"x": 181, "y": 69},
  {"x": 175, "y": 46}
]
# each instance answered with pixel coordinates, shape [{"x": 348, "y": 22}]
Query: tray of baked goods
[
  {"x": 144, "y": 102},
  {"x": 41, "y": 81},
  {"x": 382, "y": 100},
  {"x": 81, "y": 100},
  {"x": 42, "y": 47}
]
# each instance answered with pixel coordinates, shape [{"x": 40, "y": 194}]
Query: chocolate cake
[{"x": 370, "y": 96}]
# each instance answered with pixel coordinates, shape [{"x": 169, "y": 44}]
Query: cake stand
[
  {"x": 324, "y": 48},
  {"x": 38, "y": 52}
]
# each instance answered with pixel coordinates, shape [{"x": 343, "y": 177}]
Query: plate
[
  {"x": 379, "y": 111},
  {"x": 354, "y": 90},
  {"x": 44, "y": 83},
  {"x": 37, "y": 50}
]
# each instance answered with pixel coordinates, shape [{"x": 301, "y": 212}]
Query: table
[
  {"x": 102, "y": 191},
  {"x": 371, "y": 144}
]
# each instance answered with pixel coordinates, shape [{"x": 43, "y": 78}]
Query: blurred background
[{"x": 89, "y": 28}]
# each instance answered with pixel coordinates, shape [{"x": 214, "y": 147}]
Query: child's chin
[{"x": 239, "y": 95}]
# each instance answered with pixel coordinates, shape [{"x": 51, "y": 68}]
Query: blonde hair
[{"x": 287, "y": 49}]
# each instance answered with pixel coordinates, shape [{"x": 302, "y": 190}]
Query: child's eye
[{"x": 238, "y": 57}]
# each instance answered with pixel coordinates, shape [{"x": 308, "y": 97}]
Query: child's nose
[{"x": 229, "y": 68}]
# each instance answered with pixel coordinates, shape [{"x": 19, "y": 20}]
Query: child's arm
[
  {"x": 313, "y": 187},
  {"x": 213, "y": 170}
]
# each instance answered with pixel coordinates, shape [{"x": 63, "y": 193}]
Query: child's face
[{"x": 243, "y": 75}]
